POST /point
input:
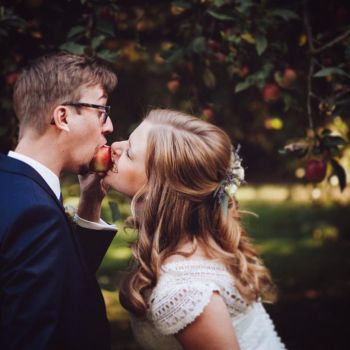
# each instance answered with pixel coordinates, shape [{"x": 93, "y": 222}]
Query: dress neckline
[{"x": 200, "y": 263}]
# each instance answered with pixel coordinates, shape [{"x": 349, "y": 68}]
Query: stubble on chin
[{"x": 83, "y": 170}]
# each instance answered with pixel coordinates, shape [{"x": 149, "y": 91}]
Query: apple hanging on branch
[
  {"x": 286, "y": 79},
  {"x": 271, "y": 92},
  {"x": 315, "y": 170},
  {"x": 318, "y": 151}
]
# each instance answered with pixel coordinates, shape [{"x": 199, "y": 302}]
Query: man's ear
[{"x": 59, "y": 118}]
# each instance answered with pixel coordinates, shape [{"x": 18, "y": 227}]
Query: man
[{"x": 49, "y": 296}]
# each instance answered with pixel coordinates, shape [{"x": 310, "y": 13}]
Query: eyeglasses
[{"x": 103, "y": 117}]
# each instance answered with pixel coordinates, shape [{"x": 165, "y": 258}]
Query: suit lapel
[{"x": 16, "y": 166}]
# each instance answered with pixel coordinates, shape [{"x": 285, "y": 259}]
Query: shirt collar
[{"x": 50, "y": 178}]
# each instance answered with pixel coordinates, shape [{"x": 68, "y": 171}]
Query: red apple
[
  {"x": 189, "y": 67},
  {"x": 214, "y": 45},
  {"x": 271, "y": 92},
  {"x": 106, "y": 13},
  {"x": 289, "y": 77},
  {"x": 208, "y": 113},
  {"x": 102, "y": 160},
  {"x": 286, "y": 78},
  {"x": 173, "y": 85},
  {"x": 315, "y": 170},
  {"x": 220, "y": 57},
  {"x": 11, "y": 78},
  {"x": 243, "y": 71}
]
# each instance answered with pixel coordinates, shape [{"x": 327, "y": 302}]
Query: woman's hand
[
  {"x": 92, "y": 192},
  {"x": 211, "y": 330}
]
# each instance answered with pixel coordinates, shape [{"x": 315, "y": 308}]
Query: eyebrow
[{"x": 102, "y": 96}]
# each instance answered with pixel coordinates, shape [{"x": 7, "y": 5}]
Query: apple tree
[{"x": 274, "y": 74}]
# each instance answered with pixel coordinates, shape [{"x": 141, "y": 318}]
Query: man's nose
[{"x": 107, "y": 127}]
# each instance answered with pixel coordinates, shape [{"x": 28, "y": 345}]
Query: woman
[{"x": 198, "y": 280}]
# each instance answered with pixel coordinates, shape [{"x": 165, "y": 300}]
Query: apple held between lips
[{"x": 102, "y": 160}]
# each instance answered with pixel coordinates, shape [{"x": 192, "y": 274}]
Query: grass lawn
[{"x": 305, "y": 245}]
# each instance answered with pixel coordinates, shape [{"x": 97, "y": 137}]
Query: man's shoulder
[
  {"x": 21, "y": 189},
  {"x": 21, "y": 195}
]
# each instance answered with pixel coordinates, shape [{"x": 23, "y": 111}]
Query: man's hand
[{"x": 92, "y": 192}]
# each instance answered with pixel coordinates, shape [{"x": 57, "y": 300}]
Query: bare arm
[{"x": 211, "y": 330}]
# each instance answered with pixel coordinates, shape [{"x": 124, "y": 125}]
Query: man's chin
[{"x": 83, "y": 170}]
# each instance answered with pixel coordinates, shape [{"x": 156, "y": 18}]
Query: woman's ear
[{"x": 59, "y": 118}]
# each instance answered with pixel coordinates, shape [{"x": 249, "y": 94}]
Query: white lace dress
[{"x": 183, "y": 291}]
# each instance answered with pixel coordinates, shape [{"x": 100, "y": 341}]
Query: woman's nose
[{"x": 117, "y": 147}]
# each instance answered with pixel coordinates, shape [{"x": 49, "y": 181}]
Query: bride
[{"x": 198, "y": 282}]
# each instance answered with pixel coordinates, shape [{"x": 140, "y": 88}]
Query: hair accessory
[{"x": 233, "y": 179}]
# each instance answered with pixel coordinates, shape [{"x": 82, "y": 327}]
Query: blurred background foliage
[
  {"x": 270, "y": 73},
  {"x": 305, "y": 246},
  {"x": 275, "y": 75}
]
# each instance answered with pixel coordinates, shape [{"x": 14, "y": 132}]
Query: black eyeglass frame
[{"x": 106, "y": 109}]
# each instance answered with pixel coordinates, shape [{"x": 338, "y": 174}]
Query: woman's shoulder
[
  {"x": 184, "y": 289},
  {"x": 180, "y": 295}
]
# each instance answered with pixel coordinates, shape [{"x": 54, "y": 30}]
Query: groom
[{"x": 49, "y": 296}]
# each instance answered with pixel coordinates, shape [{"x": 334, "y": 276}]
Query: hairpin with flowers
[{"x": 233, "y": 179}]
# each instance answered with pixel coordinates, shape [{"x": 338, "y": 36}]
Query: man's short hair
[{"x": 54, "y": 79}]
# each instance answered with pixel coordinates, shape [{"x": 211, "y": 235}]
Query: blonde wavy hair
[{"x": 186, "y": 159}]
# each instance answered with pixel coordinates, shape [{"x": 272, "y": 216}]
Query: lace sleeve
[{"x": 173, "y": 308}]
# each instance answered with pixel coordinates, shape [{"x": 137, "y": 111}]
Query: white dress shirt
[{"x": 54, "y": 183}]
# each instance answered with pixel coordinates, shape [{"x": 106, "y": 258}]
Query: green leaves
[
  {"x": 174, "y": 55},
  {"x": 105, "y": 27},
  {"x": 284, "y": 14},
  {"x": 340, "y": 173},
  {"x": 209, "y": 78},
  {"x": 182, "y": 3},
  {"x": 219, "y": 3},
  {"x": 244, "y": 85},
  {"x": 77, "y": 31},
  {"x": 324, "y": 147},
  {"x": 257, "y": 79},
  {"x": 330, "y": 71},
  {"x": 244, "y": 6},
  {"x": 9, "y": 22},
  {"x": 220, "y": 16},
  {"x": 261, "y": 44},
  {"x": 108, "y": 55},
  {"x": 198, "y": 45},
  {"x": 97, "y": 41},
  {"x": 73, "y": 48}
]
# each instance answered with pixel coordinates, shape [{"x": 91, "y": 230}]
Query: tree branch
[
  {"x": 311, "y": 66},
  {"x": 330, "y": 43}
]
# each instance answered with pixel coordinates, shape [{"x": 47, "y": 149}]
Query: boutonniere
[{"x": 70, "y": 212}]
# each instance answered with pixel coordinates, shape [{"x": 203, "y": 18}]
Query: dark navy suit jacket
[{"x": 49, "y": 296}]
